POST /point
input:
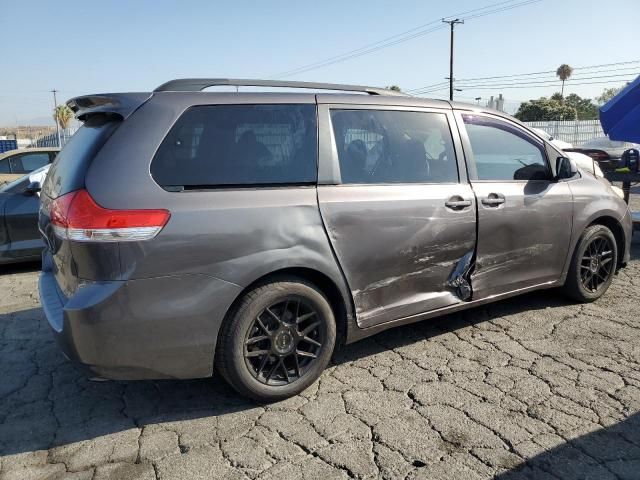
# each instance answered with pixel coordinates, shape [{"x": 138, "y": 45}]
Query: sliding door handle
[{"x": 493, "y": 200}]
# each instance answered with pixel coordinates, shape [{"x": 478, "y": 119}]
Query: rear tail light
[{"x": 76, "y": 216}]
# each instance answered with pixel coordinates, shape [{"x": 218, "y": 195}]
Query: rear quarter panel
[{"x": 233, "y": 234}]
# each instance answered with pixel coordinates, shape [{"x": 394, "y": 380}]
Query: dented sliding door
[{"x": 401, "y": 222}]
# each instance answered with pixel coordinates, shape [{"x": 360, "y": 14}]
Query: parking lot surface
[{"x": 532, "y": 387}]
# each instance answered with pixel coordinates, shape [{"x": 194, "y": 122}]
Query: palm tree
[
  {"x": 563, "y": 72},
  {"x": 63, "y": 115}
]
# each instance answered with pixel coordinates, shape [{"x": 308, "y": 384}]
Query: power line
[
  {"x": 553, "y": 77},
  {"x": 522, "y": 83},
  {"x": 542, "y": 86},
  {"x": 472, "y": 86},
  {"x": 404, "y": 36},
  {"x": 465, "y": 82},
  {"x": 588, "y": 67},
  {"x": 555, "y": 81}
]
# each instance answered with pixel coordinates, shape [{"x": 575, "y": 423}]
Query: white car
[
  {"x": 588, "y": 164},
  {"x": 561, "y": 144},
  {"x": 585, "y": 162}
]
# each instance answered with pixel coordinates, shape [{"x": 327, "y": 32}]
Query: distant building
[{"x": 496, "y": 103}]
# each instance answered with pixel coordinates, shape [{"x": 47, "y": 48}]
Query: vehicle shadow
[
  {"x": 594, "y": 455},
  {"x": 24, "y": 267},
  {"x": 635, "y": 245},
  {"x": 47, "y": 401}
]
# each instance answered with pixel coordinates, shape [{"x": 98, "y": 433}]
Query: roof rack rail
[{"x": 198, "y": 84}]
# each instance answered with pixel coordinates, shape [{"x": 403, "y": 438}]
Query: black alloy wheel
[
  {"x": 283, "y": 341},
  {"x": 593, "y": 264},
  {"x": 596, "y": 265},
  {"x": 277, "y": 339}
]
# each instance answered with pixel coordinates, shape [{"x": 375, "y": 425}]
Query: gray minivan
[{"x": 255, "y": 231}]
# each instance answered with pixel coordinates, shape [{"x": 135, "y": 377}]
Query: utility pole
[
  {"x": 55, "y": 115},
  {"x": 452, "y": 24}
]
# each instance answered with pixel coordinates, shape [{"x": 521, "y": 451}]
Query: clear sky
[{"x": 81, "y": 47}]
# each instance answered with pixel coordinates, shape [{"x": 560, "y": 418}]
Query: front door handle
[
  {"x": 493, "y": 200},
  {"x": 457, "y": 203}
]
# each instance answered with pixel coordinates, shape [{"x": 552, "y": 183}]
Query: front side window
[
  {"x": 503, "y": 152},
  {"x": 235, "y": 145},
  {"x": 389, "y": 146}
]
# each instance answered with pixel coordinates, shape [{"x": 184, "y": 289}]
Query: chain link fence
[
  {"x": 572, "y": 131},
  {"x": 51, "y": 139}
]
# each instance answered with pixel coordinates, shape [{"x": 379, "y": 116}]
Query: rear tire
[
  {"x": 593, "y": 265},
  {"x": 277, "y": 340}
]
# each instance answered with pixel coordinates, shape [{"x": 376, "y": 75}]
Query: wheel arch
[
  {"x": 618, "y": 232},
  {"x": 340, "y": 301}
]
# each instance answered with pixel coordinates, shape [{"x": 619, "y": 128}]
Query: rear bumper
[{"x": 163, "y": 327}]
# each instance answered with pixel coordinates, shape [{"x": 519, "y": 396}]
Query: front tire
[
  {"x": 593, "y": 264},
  {"x": 277, "y": 340}
]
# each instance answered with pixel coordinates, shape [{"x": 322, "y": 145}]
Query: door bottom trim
[{"x": 357, "y": 332}]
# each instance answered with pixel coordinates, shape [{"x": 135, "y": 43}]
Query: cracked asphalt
[{"x": 532, "y": 387}]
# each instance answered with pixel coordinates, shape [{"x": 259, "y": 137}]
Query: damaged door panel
[
  {"x": 403, "y": 214},
  {"x": 398, "y": 246},
  {"x": 524, "y": 216},
  {"x": 460, "y": 278},
  {"x": 523, "y": 241}
]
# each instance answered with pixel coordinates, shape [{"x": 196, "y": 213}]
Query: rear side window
[
  {"x": 70, "y": 166},
  {"x": 387, "y": 146},
  {"x": 239, "y": 145}
]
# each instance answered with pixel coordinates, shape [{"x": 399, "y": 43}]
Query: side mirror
[
  {"x": 33, "y": 188},
  {"x": 565, "y": 168}
]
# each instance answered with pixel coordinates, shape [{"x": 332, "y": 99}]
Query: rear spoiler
[{"x": 121, "y": 104}]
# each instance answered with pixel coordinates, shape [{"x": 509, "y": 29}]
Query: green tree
[
  {"x": 394, "y": 88},
  {"x": 63, "y": 115},
  {"x": 585, "y": 108},
  {"x": 564, "y": 72},
  {"x": 545, "y": 109},
  {"x": 607, "y": 94}
]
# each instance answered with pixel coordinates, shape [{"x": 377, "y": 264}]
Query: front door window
[{"x": 503, "y": 152}]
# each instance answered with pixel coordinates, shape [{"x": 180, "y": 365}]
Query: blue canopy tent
[
  {"x": 620, "y": 116},
  {"x": 620, "y": 119}
]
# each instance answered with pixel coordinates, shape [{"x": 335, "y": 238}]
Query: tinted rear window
[
  {"x": 227, "y": 145},
  {"x": 70, "y": 166}
]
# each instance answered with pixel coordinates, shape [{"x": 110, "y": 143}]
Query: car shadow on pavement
[
  {"x": 612, "y": 452},
  {"x": 25, "y": 267},
  {"x": 408, "y": 334},
  {"x": 47, "y": 401},
  {"x": 635, "y": 245}
]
